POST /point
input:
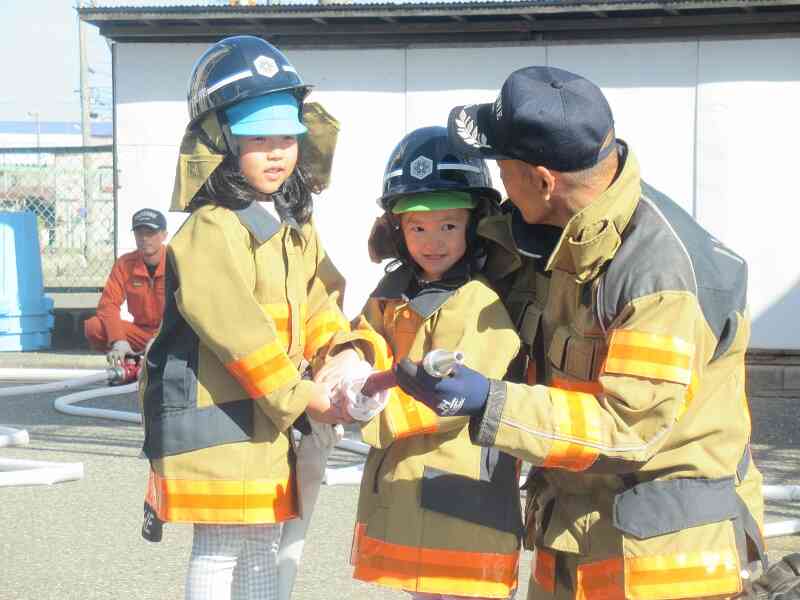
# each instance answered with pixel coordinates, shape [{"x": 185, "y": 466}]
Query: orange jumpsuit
[{"x": 129, "y": 280}]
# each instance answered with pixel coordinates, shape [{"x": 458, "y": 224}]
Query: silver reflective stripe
[
  {"x": 396, "y": 173},
  {"x": 457, "y": 167},
  {"x": 229, "y": 79},
  {"x": 289, "y": 68}
]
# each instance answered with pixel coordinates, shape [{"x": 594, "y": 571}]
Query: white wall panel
[
  {"x": 734, "y": 170},
  {"x": 748, "y": 132},
  {"x": 650, "y": 87}
]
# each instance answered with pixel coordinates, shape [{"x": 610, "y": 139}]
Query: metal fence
[{"x": 71, "y": 190}]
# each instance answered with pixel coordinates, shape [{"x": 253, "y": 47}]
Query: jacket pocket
[
  {"x": 575, "y": 356},
  {"x": 491, "y": 501},
  {"x": 680, "y": 538}
]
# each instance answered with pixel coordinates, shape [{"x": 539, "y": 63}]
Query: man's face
[
  {"x": 524, "y": 188},
  {"x": 267, "y": 161},
  {"x": 149, "y": 241},
  {"x": 436, "y": 239}
]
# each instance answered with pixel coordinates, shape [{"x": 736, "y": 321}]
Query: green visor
[{"x": 429, "y": 201}]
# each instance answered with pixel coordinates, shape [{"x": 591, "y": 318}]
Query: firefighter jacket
[
  {"x": 130, "y": 281},
  {"x": 436, "y": 514},
  {"x": 638, "y": 425},
  {"x": 250, "y": 300}
]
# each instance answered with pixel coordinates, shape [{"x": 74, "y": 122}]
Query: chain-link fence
[{"x": 71, "y": 190}]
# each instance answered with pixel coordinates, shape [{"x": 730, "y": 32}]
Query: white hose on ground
[
  {"x": 14, "y": 472},
  {"x": 785, "y": 493},
  {"x": 56, "y": 386},
  {"x": 13, "y": 437},
  {"x": 64, "y": 404},
  {"x": 39, "y": 375},
  {"x": 779, "y": 528}
]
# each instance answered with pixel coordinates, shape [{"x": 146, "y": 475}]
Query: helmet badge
[
  {"x": 421, "y": 167},
  {"x": 265, "y": 66}
]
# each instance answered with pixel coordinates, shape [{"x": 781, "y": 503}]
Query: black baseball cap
[
  {"x": 544, "y": 116},
  {"x": 148, "y": 217}
]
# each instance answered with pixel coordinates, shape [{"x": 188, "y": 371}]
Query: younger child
[
  {"x": 437, "y": 516},
  {"x": 251, "y": 299}
]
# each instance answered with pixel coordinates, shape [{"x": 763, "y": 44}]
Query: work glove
[
  {"x": 325, "y": 436},
  {"x": 119, "y": 350},
  {"x": 348, "y": 390},
  {"x": 463, "y": 392}
]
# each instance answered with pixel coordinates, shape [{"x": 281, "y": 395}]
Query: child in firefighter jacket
[
  {"x": 436, "y": 514},
  {"x": 252, "y": 299}
]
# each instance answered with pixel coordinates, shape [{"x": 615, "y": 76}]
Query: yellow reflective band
[
  {"x": 280, "y": 313},
  {"x": 407, "y": 416},
  {"x": 433, "y": 571},
  {"x": 210, "y": 501},
  {"x": 576, "y": 416},
  {"x": 383, "y": 353},
  {"x": 543, "y": 569},
  {"x": 321, "y": 328},
  {"x": 649, "y": 355},
  {"x": 574, "y": 385},
  {"x": 690, "y": 574},
  {"x": 263, "y": 371}
]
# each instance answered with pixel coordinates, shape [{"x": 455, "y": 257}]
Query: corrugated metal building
[{"x": 705, "y": 91}]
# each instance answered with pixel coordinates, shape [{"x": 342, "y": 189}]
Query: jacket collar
[
  {"x": 402, "y": 282},
  {"x": 592, "y": 237},
  {"x": 260, "y": 223}
]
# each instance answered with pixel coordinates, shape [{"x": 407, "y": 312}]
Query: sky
[{"x": 41, "y": 64}]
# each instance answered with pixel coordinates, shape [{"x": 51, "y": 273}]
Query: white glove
[
  {"x": 325, "y": 436},
  {"x": 119, "y": 350},
  {"x": 359, "y": 406}
]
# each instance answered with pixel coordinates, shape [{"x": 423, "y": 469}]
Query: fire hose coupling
[
  {"x": 367, "y": 393},
  {"x": 128, "y": 372}
]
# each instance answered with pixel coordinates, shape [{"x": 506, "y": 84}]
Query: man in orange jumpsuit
[{"x": 137, "y": 277}]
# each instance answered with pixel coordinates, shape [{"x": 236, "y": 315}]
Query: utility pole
[{"x": 86, "y": 135}]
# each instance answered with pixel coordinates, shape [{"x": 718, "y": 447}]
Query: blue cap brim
[{"x": 269, "y": 127}]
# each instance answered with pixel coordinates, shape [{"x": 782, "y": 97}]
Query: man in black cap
[
  {"x": 628, "y": 398},
  {"x": 138, "y": 278}
]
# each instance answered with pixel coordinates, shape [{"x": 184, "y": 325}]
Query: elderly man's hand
[
  {"x": 119, "y": 350},
  {"x": 464, "y": 392}
]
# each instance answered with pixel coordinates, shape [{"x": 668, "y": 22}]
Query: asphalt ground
[{"x": 81, "y": 539}]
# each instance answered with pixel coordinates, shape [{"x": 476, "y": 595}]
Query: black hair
[{"x": 228, "y": 187}]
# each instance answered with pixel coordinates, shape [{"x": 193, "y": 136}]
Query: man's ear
[{"x": 546, "y": 180}]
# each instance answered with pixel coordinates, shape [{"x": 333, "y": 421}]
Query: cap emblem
[
  {"x": 265, "y": 66},
  {"x": 421, "y": 167},
  {"x": 467, "y": 129},
  {"x": 498, "y": 108}
]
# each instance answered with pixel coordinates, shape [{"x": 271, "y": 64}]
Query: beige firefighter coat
[
  {"x": 436, "y": 513},
  {"x": 637, "y": 426}
]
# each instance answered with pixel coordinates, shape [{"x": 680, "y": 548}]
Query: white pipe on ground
[
  {"x": 56, "y": 386},
  {"x": 9, "y": 374},
  {"x": 64, "y": 404},
  {"x": 13, "y": 437},
  {"x": 37, "y": 472}
]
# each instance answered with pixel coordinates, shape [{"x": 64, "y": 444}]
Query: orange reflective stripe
[
  {"x": 407, "y": 416},
  {"x": 321, "y": 328},
  {"x": 689, "y": 574},
  {"x": 434, "y": 571},
  {"x": 543, "y": 569},
  {"x": 210, "y": 501},
  {"x": 649, "y": 355},
  {"x": 262, "y": 372},
  {"x": 383, "y": 353},
  {"x": 572, "y": 385},
  {"x": 280, "y": 314},
  {"x": 602, "y": 580},
  {"x": 577, "y": 417}
]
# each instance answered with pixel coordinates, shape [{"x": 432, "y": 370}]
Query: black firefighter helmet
[
  {"x": 424, "y": 162},
  {"x": 237, "y": 68}
]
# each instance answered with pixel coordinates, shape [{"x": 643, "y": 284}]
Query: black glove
[{"x": 464, "y": 392}]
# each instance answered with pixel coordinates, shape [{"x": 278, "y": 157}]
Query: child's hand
[
  {"x": 321, "y": 409},
  {"x": 337, "y": 367}
]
